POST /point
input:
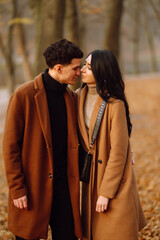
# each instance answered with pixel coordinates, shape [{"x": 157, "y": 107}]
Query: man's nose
[{"x": 78, "y": 72}]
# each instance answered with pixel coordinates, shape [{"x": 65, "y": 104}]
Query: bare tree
[
  {"x": 72, "y": 30},
  {"x": 149, "y": 38},
  {"x": 7, "y": 51},
  {"x": 49, "y": 18},
  {"x": 7, "y": 54},
  {"x": 15, "y": 34},
  {"x": 114, "y": 10},
  {"x": 22, "y": 43},
  {"x": 156, "y": 9},
  {"x": 136, "y": 36},
  {"x": 71, "y": 23}
]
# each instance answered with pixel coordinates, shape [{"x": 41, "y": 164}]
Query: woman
[{"x": 111, "y": 209}]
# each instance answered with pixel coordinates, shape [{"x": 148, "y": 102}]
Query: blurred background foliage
[{"x": 129, "y": 28}]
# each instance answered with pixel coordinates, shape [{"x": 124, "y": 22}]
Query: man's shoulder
[
  {"x": 25, "y": 88},
  {"x": 24, "y": 92},
  {"x": 31, "y": 87}
]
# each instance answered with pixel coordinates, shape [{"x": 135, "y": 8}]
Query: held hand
[
  {"x": 102, "y": 204},
  {"x": 21, "y": 202}
]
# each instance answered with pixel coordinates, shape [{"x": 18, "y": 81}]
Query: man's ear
[{"x": 59, "y": 68}]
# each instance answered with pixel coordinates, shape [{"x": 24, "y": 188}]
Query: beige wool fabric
[
  {"x": 89, "y": 104},
  {"x": 112, "y": 175}
]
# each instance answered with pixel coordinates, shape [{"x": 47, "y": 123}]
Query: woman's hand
[{"x": 102, "y": 204}]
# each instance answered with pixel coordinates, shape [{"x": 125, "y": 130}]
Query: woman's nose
[{"x": 82, "y": 69}]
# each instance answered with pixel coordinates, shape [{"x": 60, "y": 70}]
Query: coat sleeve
[
  {"x": 118, "y": 151},
  {"x": 12, "y": 147}
]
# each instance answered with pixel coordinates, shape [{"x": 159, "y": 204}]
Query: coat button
[
  {"x": 99, "y": 161},
  {"x": 48, "y": 146},
  {"x": 50, "y": 175}
]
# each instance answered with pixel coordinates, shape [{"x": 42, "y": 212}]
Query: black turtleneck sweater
[{"x": 58, "y": 120}]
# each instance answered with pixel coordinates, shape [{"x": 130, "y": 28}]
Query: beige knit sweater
[{"x": 89, "y": 104}]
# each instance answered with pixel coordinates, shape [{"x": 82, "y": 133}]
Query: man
[{"x": 41, "y": 150}]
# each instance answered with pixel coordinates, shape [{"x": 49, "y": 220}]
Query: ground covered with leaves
[{"x": 143, "y": 94}]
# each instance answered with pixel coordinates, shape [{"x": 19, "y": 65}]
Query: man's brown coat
[{"x": 28, "y": 159}]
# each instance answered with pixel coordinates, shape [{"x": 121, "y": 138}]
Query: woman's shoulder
[
  {"x": 115, "y": 102},
  {"x": 116, "y": 105}
]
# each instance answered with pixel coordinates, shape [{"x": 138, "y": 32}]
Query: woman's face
[{"x": 87, "y": 75}]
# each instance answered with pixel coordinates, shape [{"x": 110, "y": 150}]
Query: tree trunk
[
  {"x": 113, "y": 21},
  {"x": 156, "y": 11},
  {"x": 150, "y": 40},
  {"x": 22, "y": 45},
  {"x": 72, "y": 29},
  {"x": 7, "y": 53},
  {"x": 136, "y": 38},
  {"x": 37, "y": 13},
  {"x": 71, "y": 22},
  {"x": 49, "y": 18}
]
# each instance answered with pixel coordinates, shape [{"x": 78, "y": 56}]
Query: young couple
[{"x": 41, "y": 152}]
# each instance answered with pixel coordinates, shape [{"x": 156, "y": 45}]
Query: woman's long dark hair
[{"x": 108, "y": 78}]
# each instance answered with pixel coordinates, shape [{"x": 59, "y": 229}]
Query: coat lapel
[
  {"x": 94, "y": 116},
  {"x": 91, "y": 128},
  {"x": 43, "y": 112},
  {"x": 81, "y": 123},
  {"x": 70, "y": 107}
]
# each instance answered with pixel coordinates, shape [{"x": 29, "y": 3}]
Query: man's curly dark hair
[{"x": 62, "y": 52}]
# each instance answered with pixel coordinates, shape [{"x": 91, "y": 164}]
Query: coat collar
[
  {"x": 81, "y": 122},
  {"x": 39, "y": 86},
  {"x": 38, "y": 83},
  {"x": 43, "y": 113}
]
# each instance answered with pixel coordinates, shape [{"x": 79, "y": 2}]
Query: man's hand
[
  {"x": 102, "y": 204},
  {"x": 21, "y": 202}
]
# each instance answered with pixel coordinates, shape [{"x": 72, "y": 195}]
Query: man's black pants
[{"x": 61, "y": 220}]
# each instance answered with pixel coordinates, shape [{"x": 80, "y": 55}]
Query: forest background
[{"x": 131, "y": 30}]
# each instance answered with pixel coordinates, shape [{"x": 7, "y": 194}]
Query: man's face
[{"x": 71, "y": 71}]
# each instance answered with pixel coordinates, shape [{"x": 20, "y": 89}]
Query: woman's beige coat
[
  {"x": 112, "y": 176},
  {"x": 28, "y": 159}
]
